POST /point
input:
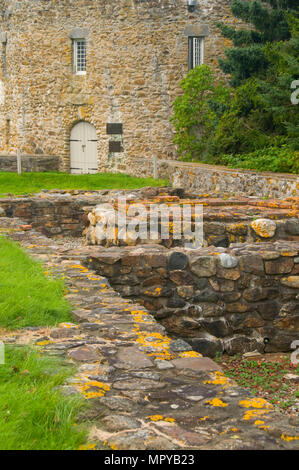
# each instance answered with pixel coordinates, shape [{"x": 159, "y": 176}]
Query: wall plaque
[{"x": 114, "y": 128}]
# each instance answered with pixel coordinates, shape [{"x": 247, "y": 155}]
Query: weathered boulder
[{"x": 265, "y": 228}]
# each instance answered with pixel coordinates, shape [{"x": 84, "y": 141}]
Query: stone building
[{"x": 93, "y": 81}]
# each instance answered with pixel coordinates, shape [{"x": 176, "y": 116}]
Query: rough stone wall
[
  {"x": 30, "y": 163},
  {"x": 199, "y": 178},
  {"x": 235, "y": 300},
  {"x": 137, "y": 53},
  {"x": 62, "y": 212},
  {"x": 208, "y": 178},
  {"x": 59, "y": 217}
]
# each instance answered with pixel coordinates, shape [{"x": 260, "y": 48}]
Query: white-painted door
[{"x": 84, "y": 148}]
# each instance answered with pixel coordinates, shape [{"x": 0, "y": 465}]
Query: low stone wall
[
  {"x": 62, "y": 212},
  {"x": 224, "y": 221},
  {"x": 200, "y": 178},
  {"x": 30, "y": 163},
  {"x": 59, "y": 216},
  {"x": 233, "y": 300}
]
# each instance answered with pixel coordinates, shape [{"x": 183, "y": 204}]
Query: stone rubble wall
[
  {"x": 201, "y": 178},
  {"x": 62, "y": 212},
  {"x": 217, "y": 228},
  {"x": 234, "y": 300},
  {"x": 30, "y": 163},
  {"x": 225, "y": 221}
]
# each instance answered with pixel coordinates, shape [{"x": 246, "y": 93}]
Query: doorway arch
[{"x": 84, "y": 148}]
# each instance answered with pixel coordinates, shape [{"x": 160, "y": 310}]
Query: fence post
[
  {"x": 155, "y": 167},
  {"x": 19, "y": 163}
]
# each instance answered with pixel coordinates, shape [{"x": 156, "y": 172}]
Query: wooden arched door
[{"x": 84, "y": 148}]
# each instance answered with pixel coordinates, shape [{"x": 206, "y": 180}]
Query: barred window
[
  {"x": 80, "y": 56},
  {"x": 196, "y": 50}
]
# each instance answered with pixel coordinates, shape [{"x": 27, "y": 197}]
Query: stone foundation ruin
[{"x": 238, "y": 293}]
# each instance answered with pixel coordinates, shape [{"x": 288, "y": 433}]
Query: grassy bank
[
  {"x": 27, "y": 296},
  {"x": 34, "y": 415},
  {"x": 29, "y": 183}
]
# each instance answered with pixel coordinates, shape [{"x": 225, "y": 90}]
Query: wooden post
[
  {"x": 19, "y": 162},
  {"x": 155, "y": 167}
]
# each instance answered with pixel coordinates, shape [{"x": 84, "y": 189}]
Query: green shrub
[
  {"x": 197, "y": 112},
  {"x": 282, "y": 160}
]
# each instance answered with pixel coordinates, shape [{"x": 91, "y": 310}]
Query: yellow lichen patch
[
  {"x": 111, "y": 446},
  {"x": 155, "y": 417},
  {"x": 87, "y": 447},
  {"x": 255, "y": 403},
  {"x": 217, "y": 402},
  {"x": 190, "y": 354},
  {"x": 160, "y": 418},
  {"x": 78, "y": 266},
  {"x": 264, "y": 228},
  {"x": 139, "y": 315},
  {"x": 204, "y": 418},
  {"x": 289, "y": 438},
  {"x": 157, "y": 341},
  {"x": 86, "y": 389},
  {"x": 264, "y": 427},
  {"x": 219, "y": 379},
  {"x": 92, "y": 278},
  {"x": 258, "y": 422},
  {"x": 254, "y": 414},
  {"x": 44, "y": 343},
  {"x": 68, "y": 325}
]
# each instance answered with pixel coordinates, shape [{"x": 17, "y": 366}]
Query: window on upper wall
[
  {"x": 79, "y": 46},
  {"x": 196, "y": 51}
]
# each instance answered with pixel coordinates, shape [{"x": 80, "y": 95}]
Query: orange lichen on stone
[
  {"x": 219, "y": 379},
  {"x": 44, "y": 343},
  {"x": 216, "y": 402},
  {"x": 289, "y": 438},
  {"x": 87, "y": 447},
  {"x": 160, "y": 418},
  {"x": 190, "y": 354},
  {"x": 255, "y": 403},
  {"x": 254, "y": 414},
  {"x": 102, "y": 389}
]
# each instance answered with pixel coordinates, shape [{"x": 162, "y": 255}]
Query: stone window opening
[
  {"x": 196, "y": 51},
  {"x": 79, "y": 51}
]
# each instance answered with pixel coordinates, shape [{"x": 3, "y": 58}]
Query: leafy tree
[
  {"x": 275, "y": 89},
  {"x": 269, "y": 20},
  {"x": 197, "y": 112}
]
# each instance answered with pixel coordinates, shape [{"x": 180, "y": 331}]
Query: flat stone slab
[
  {"x": 196, "y": 363},
  {"x": 84, "y": 354},
  {"x": 132, "y": 358}
]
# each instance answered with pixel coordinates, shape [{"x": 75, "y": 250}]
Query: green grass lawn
[
  {"x": 34, "y": 415},
  {"x": 27, "y": 296},
  {"x": 29, "y": 183}
]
